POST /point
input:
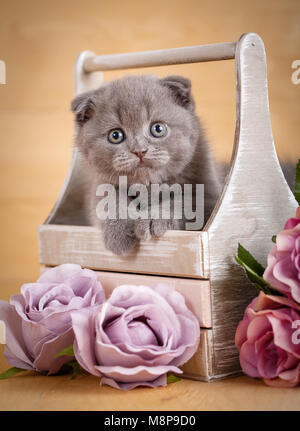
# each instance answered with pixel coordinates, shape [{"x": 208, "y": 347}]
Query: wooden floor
[
  {"x": 30, "y": 391},
  {"x": 34, "y": 392}
]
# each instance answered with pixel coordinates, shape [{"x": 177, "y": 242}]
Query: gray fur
[{"x": 183, "y": 156}]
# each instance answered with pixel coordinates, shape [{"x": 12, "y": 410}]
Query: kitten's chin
[
  {"x": 146, "y": 175},
  {"x": 140, "y": 175}
]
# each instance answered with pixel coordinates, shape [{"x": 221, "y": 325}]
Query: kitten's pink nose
[{"x": 140, "y": 154}]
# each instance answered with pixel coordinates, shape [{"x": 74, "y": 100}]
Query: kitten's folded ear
[
  {"x": 180, "y": 89},
  {"x": 83, "y": 106}
]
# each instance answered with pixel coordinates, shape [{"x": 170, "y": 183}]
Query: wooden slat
[
  {"x": 161, "y": 57},
  {"x": 254, "y": 205},
  {"x": 2, "y": 332},
  {"x": 195, "y": 292},
  {"x": 200, "y": 366},
  {"x": 177, "y": 253}
]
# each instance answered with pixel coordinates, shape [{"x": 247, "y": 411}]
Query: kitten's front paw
[
  {"x": 159, "y": 227},
  {"x": 145, "y": 229},
  {"x": 142, "y": 229},
  {"x": 120, "y": 239}
]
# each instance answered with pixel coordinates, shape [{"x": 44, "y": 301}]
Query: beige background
[{"x": 39, "y": 41}]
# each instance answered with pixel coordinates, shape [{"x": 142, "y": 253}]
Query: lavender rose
[
  {"x": 136, "y": 337},
  {"x": 268, "y": 341},
  {"x": 283, "y": 270},
  {"x": 38, "y": 321}
]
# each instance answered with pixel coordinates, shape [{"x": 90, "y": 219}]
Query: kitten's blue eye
[
  {"x": 158, "y": 130},
  {"x": 116, "y": 136}
]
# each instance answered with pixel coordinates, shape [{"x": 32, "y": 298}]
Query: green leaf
[
  {"x": 297, "y": 183},
  {"x": 259, "y": 282},
  {"x": 68, "y": 351},
  {"x": 171, "y": 378},
  {"x": 246, "y": 257},
  {"x": 76, "y": 369},
  {"x": 274, "y": 237},
  {"x": 11, "y": 372},
  {"x": 257, "y": 279}
]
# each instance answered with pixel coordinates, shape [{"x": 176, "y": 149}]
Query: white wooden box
[{"x": 253, "y": 205}]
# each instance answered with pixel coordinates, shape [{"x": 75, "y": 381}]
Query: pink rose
[
  {"x": 283, "y": 270},
  {"x": 268, "y": 341},
  {"x": 136, "y": 337},
  {"x": 38, "y": 321}
]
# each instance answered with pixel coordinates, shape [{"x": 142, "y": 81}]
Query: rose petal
[
  {"x": 241, "y": 332},
  {"x": 107, "y": 354},
  {"x": 160, "y": 381},
  {"x": 287, "y": 362},
  {"x": 46, "y": 360},
  {"x": 33, "y": 335},
  {"x": 264, "y": 303},
  {"x": 258, "y": 327},
  {"x": 266, "y": 350},
  {"x": 141, "y": 334},
  {"x": 136, "y": 374},
  {"x": 267, "y": 356},
  {"x": 291, "y": 223},
  {"x": 248, "y": 359},
  {"x": 279, "y": 383},
  {"x": 126, "y": 296},
  {"x": 136, "y": 336},
  {"x": 61, "y": 293},
  {"x": 285, "y": 271},
  {"x": 60, "y": 273},
  {"x": 282, "y": 329},
  {"x": 83, "y": 323},
  {"x": 292, "y": 376},
  {"x": 30, "y": 294},
  {"x": 16, "y": 351},
  {"x": 190, "y": 339},
  {"x": 81, "y": 281}
]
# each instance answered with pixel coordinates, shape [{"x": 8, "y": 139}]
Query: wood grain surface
[
  {"x": 34, "y": 392},
  {"x": 177, "y": 253},
  {"x": 195, "y": 292},
  {"x": 254, "y": 202},
  {"x": 238, "y": 213},
  {"x": 161, "y": 57}
]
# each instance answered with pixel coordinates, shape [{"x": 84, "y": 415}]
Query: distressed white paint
[
  {"x": 254, "y": 204},
  {"x": 177, "y": 253},
  {"x": 74, "y": 181},
  {"x": 189, "y": 54},
  {"x": 2, "y": 72},
  {"x": 2, "y": 332},
  {"x": 200, "y": 366},
  {"x": 195, "y": 292}
]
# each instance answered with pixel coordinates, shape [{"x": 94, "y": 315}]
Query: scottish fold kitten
[{"x": 146, "y": 129}]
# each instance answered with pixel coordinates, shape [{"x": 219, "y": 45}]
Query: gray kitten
[{"x": 144, "y": 128}]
